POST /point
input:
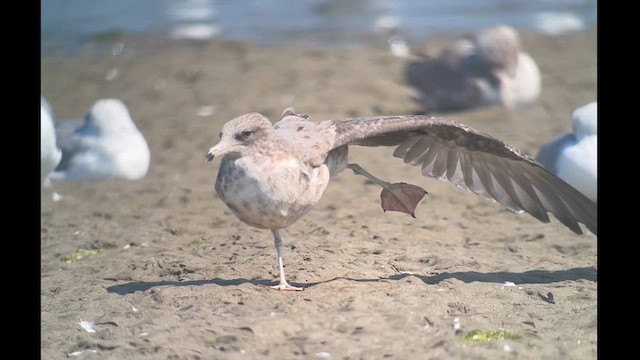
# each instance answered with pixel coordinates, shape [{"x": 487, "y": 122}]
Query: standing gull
[
  {"x": 106, "y": 144},
  {"x": 272, "y": 175},
  {"x": 487, "y": 69},
  {"x": 574, "y": 156}
]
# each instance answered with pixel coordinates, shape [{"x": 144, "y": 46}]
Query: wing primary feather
[
  {"x": 551, "y": 200},
  {"x": 453, "y": 162},
  {"x": 427, "y": 159},
  {"x": 404, "y": 147},
  {"x": 440, "y": 163},
  {"x": 496, "y": 188},
  {"x": 506, "y": 184},
  {"x": 416, "y": 153},
  {"x": 568, "y": 206}
]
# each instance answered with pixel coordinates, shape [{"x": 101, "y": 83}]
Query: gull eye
[
  {"x": 220, "y": 135},
  {"x": 244, "y": 135}
]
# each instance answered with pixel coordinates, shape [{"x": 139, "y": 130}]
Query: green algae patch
[
  {"x": 199, "y": 241},
  {"x": 79, "y": 254},
  {"x": 480, "y": 337}
]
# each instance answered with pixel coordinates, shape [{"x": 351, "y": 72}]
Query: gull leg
[
  {"x": 400, "y": 197},
  {"x": 283, "y": 282}
]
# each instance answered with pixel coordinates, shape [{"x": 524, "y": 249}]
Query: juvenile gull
[
  {"x": 574, "y": 156},
  {"x": 271, "y": 175},
  {"x": 105, "y": 144},
  {"x": 487, "y": 69}
]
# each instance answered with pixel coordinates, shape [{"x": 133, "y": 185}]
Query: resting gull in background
[
  {"x": 50, "y": 155},
  {"x": 105, "y": 145},
  {"x": 488, "y": 69},
  {"x": 271, "y": 175},
  {"x": 574, "y": 156}
]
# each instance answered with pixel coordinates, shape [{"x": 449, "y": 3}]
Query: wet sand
[{"x": 176, "y": 274}]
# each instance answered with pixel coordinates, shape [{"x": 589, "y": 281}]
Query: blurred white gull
[
  {"x": 574, "y": 156},
  {"x": 50, "y": 155},
  {"x": 106, "y": 145},
  {"x": 487, "y": 69}
]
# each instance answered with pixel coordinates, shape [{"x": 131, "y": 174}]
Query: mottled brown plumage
[
  {"x": 271, "y": 175},
  {"x": 488, "y": 68}
]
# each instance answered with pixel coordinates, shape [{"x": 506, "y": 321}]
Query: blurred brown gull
[
  {"x": 271, "y": 175},
  {"x": 489, "y": 68}
]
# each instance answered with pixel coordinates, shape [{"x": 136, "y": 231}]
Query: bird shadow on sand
[{"x": 523, "y": 278}]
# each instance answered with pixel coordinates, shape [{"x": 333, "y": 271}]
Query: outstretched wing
[{"x": 473, "y": 161}]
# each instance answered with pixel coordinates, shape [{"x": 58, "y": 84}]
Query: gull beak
[
  {"x": 212, "y": 153},
  {"x": 209, "y": 156},
  {"x": 218, "y": 150}
]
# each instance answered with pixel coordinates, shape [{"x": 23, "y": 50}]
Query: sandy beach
[{"x": 171, "y": 273}]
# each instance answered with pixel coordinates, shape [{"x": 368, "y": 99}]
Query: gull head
[
  {"x": 109, "y": 116},
  {"x": 585, "y": 120},
  {"x": 240, "y": 134},
  {"x": 499, "y": 47}
]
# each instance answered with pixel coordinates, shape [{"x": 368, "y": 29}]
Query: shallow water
[{"x": 313, "y": 23}]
